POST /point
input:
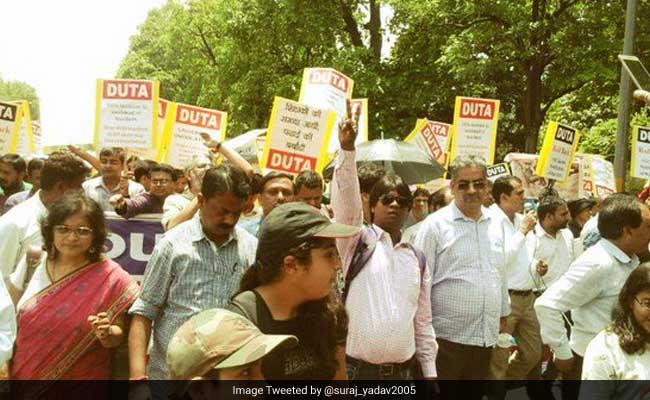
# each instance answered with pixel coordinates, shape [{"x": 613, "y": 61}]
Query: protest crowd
[{"x": 279, "y": 276}]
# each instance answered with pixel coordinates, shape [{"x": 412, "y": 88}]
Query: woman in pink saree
[{"x": 73, "y": 309}]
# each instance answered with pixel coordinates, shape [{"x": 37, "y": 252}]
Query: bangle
[{"x": 140, "y": 378}]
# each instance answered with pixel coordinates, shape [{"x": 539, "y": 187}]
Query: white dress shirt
[
  {"x": 388, "y": 303},
  {"x": 606, "y": 360},
  {"x": 20, "y": 229},
  {"x": 556, "y": 252},
  {"x": 7, "y": 325},
  {"x": 589, "y": 290},
  {"x": 513, "y": 257},
  {"x": 97, "y": 190},
  {"x": 469, "y": 293}
]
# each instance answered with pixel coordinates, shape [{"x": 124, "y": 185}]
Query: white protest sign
[
  {"x": 327, "y": 89},
  {"x": 640, "y": 160},
  {"x": 9, "y": 126},
  {"x": 296, "y": 138},
  {"x": 246, "y": 145},
  {"x": 126, "y": 113},
  {"x": 155, "y": 153},
  {"x": 558, "y": 150},
  {"x": 183, "y": 137},
  {"x": 585, "y": 178},
  {"x": 497, "y": 170},
  {"x": 433, "y": 137},
  {"x": 25, "y": 145},
  {"x": 603, "y": 175},
  {"x": 37, "y": 135},
  {"x": 362, "y": 105},
  {"x": 475, "y": 128}
]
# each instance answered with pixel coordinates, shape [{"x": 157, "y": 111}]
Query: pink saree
[{"x": 55, "y": 340}]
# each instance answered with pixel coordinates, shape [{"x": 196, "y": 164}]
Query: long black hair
[
  {"x": 319, "y": 321},
  {"x": 631, "y": 337}
]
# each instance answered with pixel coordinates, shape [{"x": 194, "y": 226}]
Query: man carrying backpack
[{"x": 388, "y": 285}]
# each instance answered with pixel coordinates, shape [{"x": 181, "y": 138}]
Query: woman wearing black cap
[{"x": 288, "y": 291}]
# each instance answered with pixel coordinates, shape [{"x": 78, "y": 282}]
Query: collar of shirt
[
  {"x": 197, "y": 234},
  {"x": 381, "y": 234},
  {"x": 99, "y": 183},
  {"x": 617, "y": 253},
  {"x": 541, "y": 232},
  {"x": 497, "y": 212},
  {"x": 457, "y": 214}
]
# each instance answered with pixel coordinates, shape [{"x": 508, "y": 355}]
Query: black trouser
[{"x": 361, "y": 370}]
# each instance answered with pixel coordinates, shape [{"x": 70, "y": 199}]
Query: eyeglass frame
[{"x": 65, "y": 230}]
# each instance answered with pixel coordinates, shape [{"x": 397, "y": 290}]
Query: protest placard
[
  {"x": 640, "y": 160},
  {"x": 475, "y": 128},
  {"x": 558, "y": 150},
  {"x": 126, "y": 113},
  {"x": 327, "y": 89},
  {"x": 432, "y": 136},
  {"x": 497, "y": 170},
  {"x": 25, "y": 145},
  {"x": 297, "y": 137},
  {"x": 9, "y": 126},
  {"x": 155, "y": 153},
  {"x": 183, "y": 141},
  {"x": 523, "y": 166},
  {"x": 603, "y": 176},
  {"x": 246, "y": 145},
  {"x": 131, "y": 242},
  {"x": 362, "y": 136},
  {"x": 37, "y": 135},
  {"x": 586, "y": 178}
]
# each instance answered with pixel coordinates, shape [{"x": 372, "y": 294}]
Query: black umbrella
[{"x": 410, "y": 162}]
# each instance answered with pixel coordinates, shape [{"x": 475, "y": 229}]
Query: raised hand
[{"x": 349, "y": 127}]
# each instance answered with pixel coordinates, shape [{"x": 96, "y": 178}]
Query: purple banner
[{"x": 131, "y": 242}]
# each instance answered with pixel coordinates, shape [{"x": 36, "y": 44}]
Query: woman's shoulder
[{"x": 115, "y": 269}]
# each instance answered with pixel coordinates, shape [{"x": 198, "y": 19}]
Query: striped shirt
[
  {"x": 188, "y": 273},
  {"x": 469, "y": 293}
]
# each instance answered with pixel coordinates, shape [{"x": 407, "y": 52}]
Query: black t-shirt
[{"x": 295, "y": 363}]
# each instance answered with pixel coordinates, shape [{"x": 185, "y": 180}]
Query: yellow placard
[
  {"x": 471, "y": 116},
  {"x": 559, "y": 147}
]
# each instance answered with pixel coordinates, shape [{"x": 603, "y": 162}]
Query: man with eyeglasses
[
  {"x": 469, "y": 297},
  {"x": 388, "y": 285},
  {"x": 113, "y": 179},
  {"x": 590, "y": 287},
  {"x": 163, "y": 180}
]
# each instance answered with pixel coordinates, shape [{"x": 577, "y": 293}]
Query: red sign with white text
[{"x": 127, "y": 90}]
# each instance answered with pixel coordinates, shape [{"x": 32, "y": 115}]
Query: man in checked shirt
[{"x": 469, "y": 296}]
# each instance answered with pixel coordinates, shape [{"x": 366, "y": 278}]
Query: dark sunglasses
[
  {"x": 478, "y": 185},
  {"x": 388, "y": 199}
]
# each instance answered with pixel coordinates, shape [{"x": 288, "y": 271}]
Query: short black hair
[
  {"x": 503, "y": 185},
  {"x": 62, "y": 167},
  {"x": 548, "y": 205},
  {"x": 143, "y": 168},
  {"x": 421, "y": 192},
  {"x": 368, "y": 174},
  {"x": 165, "y": 168},
  {"x": 273, "y": 175},
  {"x": 225, "y": 178},
  {"x": 15, "y": 161},
  {"x": 387, "y": 184},
  {"x": 309, "y": 179},
  {"x": 437, "y": 199},
  {"x": 35, "y": 164},
  {"x": 118, "y": 152},
  {"x": 618, "y": 211},
  {"x": 68, "y": 205}
]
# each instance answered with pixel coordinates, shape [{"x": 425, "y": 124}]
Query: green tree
[{"x": 16, "y": 90}]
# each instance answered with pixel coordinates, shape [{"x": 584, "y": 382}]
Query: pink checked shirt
[{"x": 389, "y": 302}]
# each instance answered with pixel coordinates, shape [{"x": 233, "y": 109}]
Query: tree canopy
[{"x": 16, "y": 90}]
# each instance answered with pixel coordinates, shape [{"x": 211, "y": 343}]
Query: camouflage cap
[{"x": 217, "y": 339}]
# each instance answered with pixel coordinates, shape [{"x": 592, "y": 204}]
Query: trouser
[
  {"x": 523, "y": 325},
  {"x": 360, "y": 370},
  {"x": 571, "y": 379},
  {"x": 456, "y": 362}
]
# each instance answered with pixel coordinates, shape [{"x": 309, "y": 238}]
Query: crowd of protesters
[{"x": 380, "y": 282}]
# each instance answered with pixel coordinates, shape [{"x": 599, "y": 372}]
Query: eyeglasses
[
  {"x": 478, "y": 185},
  {"x": 645, "y": 303},
  {"x": 402, "y": 201},
  {"x": 159, "y": 182},
  {"x": 81, "y": 231}
]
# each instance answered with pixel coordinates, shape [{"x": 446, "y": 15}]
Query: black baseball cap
[{"x": 290, "y": 224}]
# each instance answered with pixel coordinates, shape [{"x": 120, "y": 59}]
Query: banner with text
[
  {"x": 183, "y": 135},
  {"x": 475, "y": 128},
  {"x": 603, "y": 176},
  {"x": 155, "y": 153},
  {"x": 361, "y": 104},
  {"x": 297, "y": 137},
  {"x": 432, "y": 136},
  {"x": 9, "y": 126},
  {"x": 586, "y": 178},
  {"x": 558, "y": 150},
  {"x": 25, "y": 145},
  {"x": 246, "y": 145},
  {"x": 496, "y": 171},
  {"x": 327, "y": 89},
  {"x": 131, "y": 242},
  {"x": 126, "y": 113},
  {"x": 524, "y": 165},
  {"x": 640, "y": 160}
]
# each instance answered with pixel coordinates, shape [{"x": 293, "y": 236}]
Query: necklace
[{"x": 52, "y": 270}]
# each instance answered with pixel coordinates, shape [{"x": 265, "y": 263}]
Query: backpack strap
[
  {"x": 422, "y": 259},
  {"x": 246, "y": 304},
  {"x": 363, "y": 251}
]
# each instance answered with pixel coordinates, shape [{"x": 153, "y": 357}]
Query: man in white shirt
[
  {"x": 508, "y": 233},
  {"x": 469, "y": 296},
  {"x": 113, "y": 179},
  {"x": 591, "y": 285},
  {"x": 20, "y": 228}
]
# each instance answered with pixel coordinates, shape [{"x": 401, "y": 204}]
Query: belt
[
  {"x": 386, "y": 369},
  {"x": 520, "y": 292}
]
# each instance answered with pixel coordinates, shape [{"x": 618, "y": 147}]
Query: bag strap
[
  {"x": 362, "y": 253},
  {"x": 246, "y": 302},
  {"x": 422, "y": 259}
]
